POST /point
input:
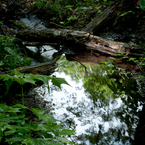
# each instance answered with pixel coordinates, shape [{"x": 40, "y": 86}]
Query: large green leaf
[
  {"x": 43, "y": 78},
  {"x": 59, "y": 81},
  {"x": 21, "y": 79},
  {"x": 6, "y": 77},
  {"x": 38, "y": 112},
  {"x": 48, "y": 119}
]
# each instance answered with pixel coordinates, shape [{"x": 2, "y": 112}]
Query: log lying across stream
[{"x": 78, "y": 39}]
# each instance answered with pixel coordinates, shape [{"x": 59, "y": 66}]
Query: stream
[{"x": 103, "y": 104}]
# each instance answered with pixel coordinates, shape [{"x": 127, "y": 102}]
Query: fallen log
[
  {"x": 43, "y": 68},
  {"x": 109, "y": 16},
  {"x": 78, "y": 39}
]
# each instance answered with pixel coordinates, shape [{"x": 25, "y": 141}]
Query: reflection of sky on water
[
  {"x": 77, "y": 110},
  {"x": 74, "y": 96}
]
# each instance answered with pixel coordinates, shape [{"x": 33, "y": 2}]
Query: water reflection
[{"x": 100, "y": 105}]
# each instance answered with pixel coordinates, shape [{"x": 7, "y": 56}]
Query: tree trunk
[
  {"x": 78, "y": 40},
  {"x": 109, "y": 16}
]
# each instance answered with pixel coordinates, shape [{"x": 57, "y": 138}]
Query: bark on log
[
  {"x": 109, "y": 16},
  {"x": 43, "y": 68},
  {"x": 78, "y": 39}
]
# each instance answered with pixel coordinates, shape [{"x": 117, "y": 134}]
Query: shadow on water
[{"x": 102, "y": 105}]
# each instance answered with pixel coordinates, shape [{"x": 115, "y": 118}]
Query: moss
[{"x": 21, "y": 25}]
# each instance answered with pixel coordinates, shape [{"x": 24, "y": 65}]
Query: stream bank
[{"x": 104, "y": 104}]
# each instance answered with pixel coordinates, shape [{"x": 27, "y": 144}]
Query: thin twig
[
  {"x": 81, "y": 64},
  {"x": 58, "y": 25}
]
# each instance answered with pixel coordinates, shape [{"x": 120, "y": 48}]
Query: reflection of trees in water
[
  {"x": 97, "y": 133},
  {"x": 105, "y": 87},
  {"x": 140, "y": 130},
  {"x": 111, "y": 112}
]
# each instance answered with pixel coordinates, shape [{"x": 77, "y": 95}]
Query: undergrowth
[
  {"x": 15, "y": 128},
  {"x": 73, "y": 13},
  {"x": 10, "y": 55},
  {"x": 15, "y": 125}
]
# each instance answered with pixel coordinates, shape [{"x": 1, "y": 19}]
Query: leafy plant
[
  {"x": 1, "y": 22},
  {"x": 65, "y": 11},
  {"x": 125, "y": 13},
  {"x": 16, "y": 129},
  {"x": 10, "y": 56},
  {"x": 139, "y": 62},
  {"x": 70, "y": 19},
  {"x": 29, "y": 78},
  {"x": 142, "y": 4}
]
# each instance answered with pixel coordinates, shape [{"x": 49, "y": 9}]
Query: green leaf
[
  {"x": 54, "y": 143},
  {"x": 45, "y": 134},
  {"x": 104, "y": 62},
  {"x": 1, "y": 22},
  {"x": 21, "y": 106},
  {"x": 39, "y": 142},
  {"x": 16, "y": 139},
  {"x": 125, "y": 13},
  {"x": 10, "y": 132},
  {"x": 43, "y": 78},
  {"x": 14, "y": 109},
  {"x": 22, "y": 79},
  {"x": 9, "y": 50},
  {"x": 63, "y": 140},
  {"x": 8, "y": 84},
  {"x": 5, "y": 108},
  {"x": 67, "y": 132},
  {"x": 48, "y": 119},
  {"x": 6, "y": 77},
  {"x": 1, "y": 63},
  {"x": 43, "y": 127},
  {"x": 6, "y": 118},
  {"x": 56, "y": 129},
  {"x": 38, "y": 112},
  {"x": 59, "y": 81}
]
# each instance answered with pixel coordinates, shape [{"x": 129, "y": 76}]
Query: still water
[{"x": 101, "y": 104}]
